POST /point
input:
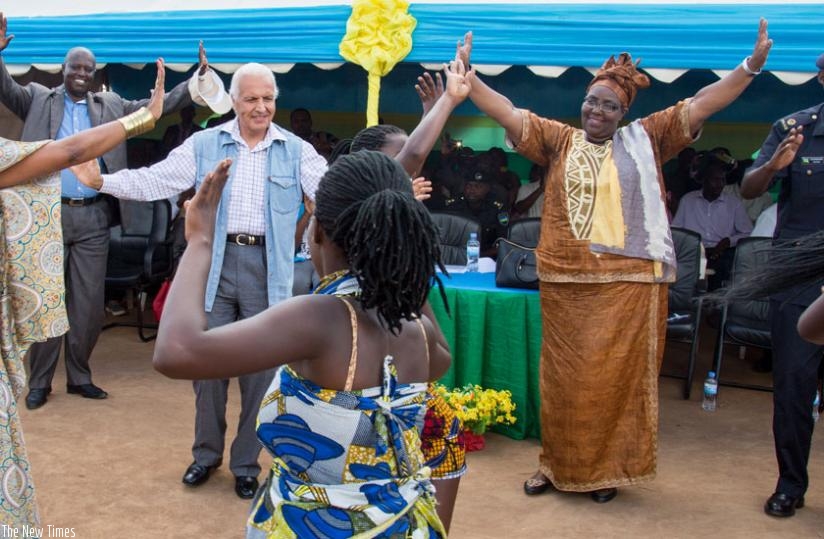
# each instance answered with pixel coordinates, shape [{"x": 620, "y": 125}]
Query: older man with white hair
[{"x": 254, "y": 244}]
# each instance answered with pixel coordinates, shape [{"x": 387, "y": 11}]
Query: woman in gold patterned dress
[
  {"x": 31, "y": 276},
  {"x": 605, "y": 257}
]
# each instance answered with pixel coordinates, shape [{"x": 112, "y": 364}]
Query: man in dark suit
[{"x": 55, "y": 113}]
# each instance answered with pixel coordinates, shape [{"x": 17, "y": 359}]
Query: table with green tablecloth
[{"x": 495, "y": 338}]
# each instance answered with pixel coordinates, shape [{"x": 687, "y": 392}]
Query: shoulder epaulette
[{"x": 800, "y": 118}]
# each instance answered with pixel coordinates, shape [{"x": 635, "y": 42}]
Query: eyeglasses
[{"x": 605, "y": 106}]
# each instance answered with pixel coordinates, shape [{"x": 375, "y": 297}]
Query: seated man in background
[
  {"x": 479, "y": 204},
  {"x": 507, "y": 182},
  {"x": 719, "y": 217},
  {"x": 448, "y": 170}
]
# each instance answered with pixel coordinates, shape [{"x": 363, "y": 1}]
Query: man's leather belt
[
  {"x": 81, "y": 201},
  {"x": 245, "y": 239}
]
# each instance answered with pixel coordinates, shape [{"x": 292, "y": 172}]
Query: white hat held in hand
[{"x": 208, "y": 91}]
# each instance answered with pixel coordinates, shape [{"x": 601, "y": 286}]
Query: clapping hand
[
  {"x": 763, "y": 44},
  {"x": 89, "y": 174},
  {"x": 785, "y": 153},
  {"x": 155, "y": 104},
  {"x": 429, "y": 90},
  {"x": 465, "y": 49},
  {"x": 422, "y": 188},
  {"x": 4, "y": 39},
  {"x": 308, "y": 204},
  {"x": 457, "y": 84},
  {"x": 201, "y": 210}
]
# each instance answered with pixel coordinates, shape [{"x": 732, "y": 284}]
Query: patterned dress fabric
[
  {"x": 345, "y": 463},
  {"x": 31, "y": 310},
  {"x": 442, "y": 440}
]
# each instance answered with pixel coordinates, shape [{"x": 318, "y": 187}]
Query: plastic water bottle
[
  {"x": 816, "y": 403},
  {"x": 710, "y": 392},
  {"x": 473, "y": 252}
]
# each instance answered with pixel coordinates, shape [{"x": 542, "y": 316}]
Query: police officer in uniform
[
  {"x": 794, "y": 154},
  {"x": 479, "y": 204}
]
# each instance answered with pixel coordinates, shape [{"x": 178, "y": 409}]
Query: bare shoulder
[
  {"x": 311, "y": 320},
  {"x": 314, "y": 306}
]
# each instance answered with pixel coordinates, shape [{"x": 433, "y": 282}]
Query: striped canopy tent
[{"x": 547, "y": 37}]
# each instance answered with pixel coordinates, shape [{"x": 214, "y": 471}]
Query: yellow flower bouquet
[{"x": 479, "y": 408}]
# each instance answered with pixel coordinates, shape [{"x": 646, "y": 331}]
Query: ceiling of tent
[{"x": 546, "y": 37}]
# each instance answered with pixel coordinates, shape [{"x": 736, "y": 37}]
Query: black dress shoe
[
  {"x": 37, "y": 398},
  {"x": 87, "y": 391},
  {"x": 537, "y": 485},
  {"x": 197, "y": 474},
  {"x": 246, "y": 486},
  {"x": 783, "y": 505},
  {"x": 603, "y": 495}
]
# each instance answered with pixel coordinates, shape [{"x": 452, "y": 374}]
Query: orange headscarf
[{"x": 622, "y": 77}]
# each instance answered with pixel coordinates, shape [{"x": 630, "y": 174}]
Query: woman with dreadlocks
[
  {"x": 442, "y": 440},
  {"x": 342, "y": 416},
  {"x": 605, "y": 257}
]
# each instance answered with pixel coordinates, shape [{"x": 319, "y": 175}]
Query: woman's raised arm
[{"x": 88, "y": 144}]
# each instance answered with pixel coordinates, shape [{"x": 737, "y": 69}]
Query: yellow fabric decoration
[
  {"x": 607, "y": 214},
  {"x": 378, "y": 36}
]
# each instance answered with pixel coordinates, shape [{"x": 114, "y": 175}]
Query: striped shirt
[{"x": 246, "y": 211}]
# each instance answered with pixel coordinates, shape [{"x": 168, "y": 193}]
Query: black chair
[
  {"x": 745, "y": 323},
  {"x": 140, "y": 255},
  {"x": 684, "y": 301},
  {"x": 525, "y": 231},
  {"x": 454, "y": 232}
]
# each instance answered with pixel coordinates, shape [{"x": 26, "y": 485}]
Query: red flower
[
  {"x": 472, "y": 441},
  {"x": 433, "y": 428}
]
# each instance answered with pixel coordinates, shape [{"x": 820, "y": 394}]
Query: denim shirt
[{"x": 283, "y": 198}]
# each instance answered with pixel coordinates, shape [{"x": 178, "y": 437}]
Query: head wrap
[{"x": 622, "y": 77}]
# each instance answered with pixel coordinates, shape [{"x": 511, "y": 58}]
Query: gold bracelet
[{"x": 138, "y": 122}]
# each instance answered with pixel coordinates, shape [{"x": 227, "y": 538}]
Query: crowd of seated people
[{"x": 481, "y": 186}]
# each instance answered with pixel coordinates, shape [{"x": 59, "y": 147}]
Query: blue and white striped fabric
[{"x": 675, "y": 35}]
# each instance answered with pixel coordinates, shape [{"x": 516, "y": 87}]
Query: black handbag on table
[{"x": 515, "y": 266}]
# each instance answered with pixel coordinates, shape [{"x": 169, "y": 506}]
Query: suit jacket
[{"x": 41, "y": 110}]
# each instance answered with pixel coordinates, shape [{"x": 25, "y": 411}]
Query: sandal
[{"x": 537, "y": 484}]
